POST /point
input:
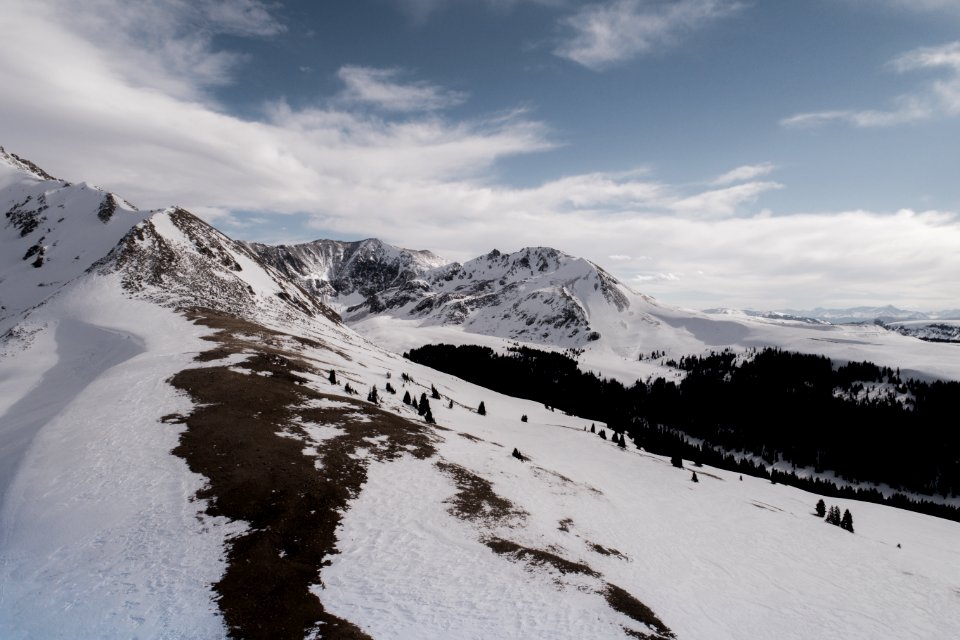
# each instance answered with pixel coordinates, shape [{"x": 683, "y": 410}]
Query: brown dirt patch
[
  {"x": 538, "y": 557},
  {"x": 606, "y": 551},
  {"x": 475, "y": 498},
  {"x": 620, "y": 600},
  {"x": 258, "y": 476}
]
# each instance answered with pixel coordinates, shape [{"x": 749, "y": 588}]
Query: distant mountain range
[{"x": 888, "y": 313}]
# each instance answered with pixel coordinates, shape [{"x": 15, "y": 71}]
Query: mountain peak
[
  {"x": 177, "y": 259},
  {"x": 23, "y": 165}
]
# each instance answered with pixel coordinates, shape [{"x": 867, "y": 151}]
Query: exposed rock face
[
  {"x": 332, "y": 268},
  {"x": 176, "y": 259}
]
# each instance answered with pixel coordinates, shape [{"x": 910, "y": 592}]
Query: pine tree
[
  {"x": 348, "y": 389},
  {"x": 833, "y": 515},
  {"x": 450, "y": 406},
  {"x": 847, "y": 521},
  {"x": 676, "y": 461},
  {"x": 389, "y": 388},
  {"x": 372, "y": 396},
  {"x": 694, "y": 478},
  {"x": 406, "y": 397},
  {"x": 434, "y": 393},
  {"x": 623, "y": 442},
  {"x": 593, "y": 428},
  {"x": 821, "y": 508},
  {"x": 603, "y": 434},
  {"x": 428, "y": 416},
  {"x": 523, "y": 418},
  {"x": 482, "y": 410},
  {"x": 424, "y": 405},
  {"x": 332, "y": 377}
]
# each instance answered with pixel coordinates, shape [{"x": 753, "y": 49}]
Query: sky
[{"x": 762, "y": 154}]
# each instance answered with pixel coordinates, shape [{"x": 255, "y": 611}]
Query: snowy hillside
[
  {"x": 52, "y": 231},
  {"x": 181, "y": 456}
]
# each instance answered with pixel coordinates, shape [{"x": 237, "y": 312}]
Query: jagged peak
[{"x": 25, "y": 166}]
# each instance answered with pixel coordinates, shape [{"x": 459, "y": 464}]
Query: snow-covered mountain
[
  {"x": 541, "y": 296},
  {"x": 52, "y": 232},
  {"x": 888, "y": 313},
  {"x": 340, "y": 271},
  {"x": 181, "y": 456}
]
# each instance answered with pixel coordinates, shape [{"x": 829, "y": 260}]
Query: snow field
[{"x": 99, "y": 533}]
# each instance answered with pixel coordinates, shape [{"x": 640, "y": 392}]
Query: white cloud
[
  {"x": 744, "y": 173},
  {"x": 608, "y": 33},
  {"x": 619, "y": 257},
  {"x": 426, "y": 181},
  {"x": 940, "y": 98},
  {"x": 380, "y": 88}
]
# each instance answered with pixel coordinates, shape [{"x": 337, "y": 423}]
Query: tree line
[{"x": 862, "y": 421}]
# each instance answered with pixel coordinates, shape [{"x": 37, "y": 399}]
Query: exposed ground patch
[
  {"x": 476, "y": 501},
  {"x": 538, "y": 557},
  {"x": 235, "y": 437},
  {"x": 622, "y": 601}
]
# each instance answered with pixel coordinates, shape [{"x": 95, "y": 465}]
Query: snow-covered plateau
[{"x": 191, "y": 448}]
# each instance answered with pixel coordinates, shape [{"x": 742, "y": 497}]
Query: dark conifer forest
[{"x": 862, "y": 421}]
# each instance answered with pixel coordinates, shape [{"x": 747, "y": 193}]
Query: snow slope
[
  {"x": 100, "y": 536},
  {"x": 102, "y": 532}
]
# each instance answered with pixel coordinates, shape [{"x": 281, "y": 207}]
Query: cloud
[
  {"x": 743, "y": 173},
  {"x": 941, "y": 98},
  {"x": 420, "y": 10},
  {"x": 425, "y": 180},
  {"x": 165, "y": 45},
  {"x": 612, "y": 32},
  {"x": 380, "y": 88},
  {"x": 619, "y": 257}
]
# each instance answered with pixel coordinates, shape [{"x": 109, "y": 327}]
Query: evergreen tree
[
  {"x": 623, "y": 442},
  {"x": 450, "y": 406},
  {"x": 348, "y": 389},
  {"x": 434, "y": 393},
  {"x": 833, "y": 515},
  {"x": 694, "y": 478},
  {"x": 424, "y": 405},
  {"x": 406, "y": 397},
  {"x": 821, "y": 508},
  {"x": 390, "y": 388},
  {"x": 372, "y": 396},
  {"x": 603, "y": 434},
  {"x": 482, "y": 410},
  {"x": 523, "y": 418},
  {"x": 332, "y": 377},
  {"x": 593, "y": 428},
  {"x": 676, "y": 461},
  {"x": 428, "y": 416},
  {"x": 847, "y": 521}
]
